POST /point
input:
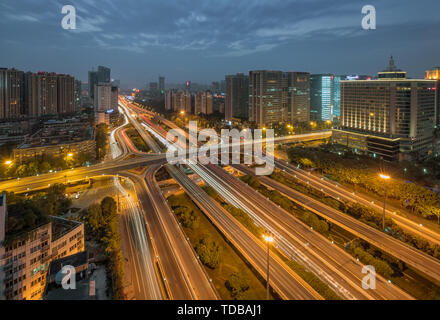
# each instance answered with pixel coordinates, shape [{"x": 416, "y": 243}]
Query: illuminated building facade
[
  {"x": 393, "y": 119},
  {"x": 321, "y": 97}
]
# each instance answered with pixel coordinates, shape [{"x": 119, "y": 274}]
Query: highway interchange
[{"x": 160, "y": 248}]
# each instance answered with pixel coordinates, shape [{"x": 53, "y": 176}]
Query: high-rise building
[
  {"x": 11, "y": 93},
  {"x": 296, "y": 99},
  {"x": 153, "y": 87},
  {"x": 337, "y": 95},
  {"x": 65, "y": 94},
  {"x": 161, "y": 85},
  {"x": 104, "y": 74},
  {"x": 237, "y": 96},
  {"x": 93, "y": 80},
  {"x": 321, "y": 97},
  {"x": 169, "y": 100},
  {"x": 103, "y": 97},
  {"x": 114, "y": 97},
  {"x": 32, "y": 95},
  {"x": 266, "y": 97},
  {"x": 390, "y": 118},
  {"x": 276, "y": 97},
  {"x": 203, "y": 102},
  {"x": 96, "y": 77},
  {"x": 78, "y": 95},
  {"x": 434, "y": 74},
  {"x": 177, "y": 101}
]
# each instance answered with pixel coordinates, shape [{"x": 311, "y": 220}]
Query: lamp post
[
  {"x": 269, "y": 239},
  {"x": 385, "y": 178}
]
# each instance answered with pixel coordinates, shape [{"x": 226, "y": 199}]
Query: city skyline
[{"x": 203, "y": 42}]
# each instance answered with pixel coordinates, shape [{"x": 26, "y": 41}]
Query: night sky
[{"x": 202, "y": 40}]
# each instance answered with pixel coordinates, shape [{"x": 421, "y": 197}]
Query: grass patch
[{"x": 197, "y": 227}]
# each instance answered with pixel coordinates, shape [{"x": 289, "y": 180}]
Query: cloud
[
  {"x": 22, "y": 17},
  {"x": 191, "y": 19}
]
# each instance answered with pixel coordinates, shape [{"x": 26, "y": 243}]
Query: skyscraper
[
  {"x": 95, "y": 77},
  {"x": 276, "y": 97},
  {"x": 321, "y": 97},
  {"x": 265, "y": 97},
  {"x": 237, "y": 97},
  {"x": 296, "y": 100},
  {"x": 103, "y": 74},
  {"x": 337, "y": 96}
]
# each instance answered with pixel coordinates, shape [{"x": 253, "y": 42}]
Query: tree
[
  {"x": 94, "y": 217},
  {"x": 209, "y": 251},
  {"x": 238, "y": 285}
]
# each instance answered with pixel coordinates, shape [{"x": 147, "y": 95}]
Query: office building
[
  {"x": 25, "y": 256},
  {"x": 277, "y": 97},
  {"x": 337, "y": 95},
  {"x": 161, "y": 85},
  {"x": 203, "y": 102},
  {"x": 266, "y": 97},
  {"x": 237, "y": 96},
  {"x": 389, "y": 118},
  {"x": 96, "y": 77},
  {"x": 321, "y": 97},
  {"x": 296, "y": 99}
]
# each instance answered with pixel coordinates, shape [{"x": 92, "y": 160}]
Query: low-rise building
[
  {"x": 25, "y": 256},
  {"x": 57, "y": 139}
]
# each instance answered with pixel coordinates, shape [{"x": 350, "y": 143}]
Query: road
[
  {"x": 283, "y": 280},
  {"x": 346, "y": 282},
  {"x": 413, "y": 257},
  {"x": 339, "y": 192},
  {"x": 137, "y": 247},
  {"x": 333, "y": 265}
]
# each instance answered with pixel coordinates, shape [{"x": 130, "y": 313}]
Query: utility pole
[{"x": 269, "y": 239}]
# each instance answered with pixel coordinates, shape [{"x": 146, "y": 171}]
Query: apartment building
[{"x": 25, "y": 257}]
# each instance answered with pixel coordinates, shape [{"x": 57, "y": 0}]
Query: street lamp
[
  {"x": 385, "y": 178},
  {"x": 70, "y": 155},
  {"x": 269, "y": 239},
  {"x": 8, "y": 162}
]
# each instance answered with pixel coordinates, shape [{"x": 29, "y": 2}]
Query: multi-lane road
[{"x": 413, "y": 257}]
